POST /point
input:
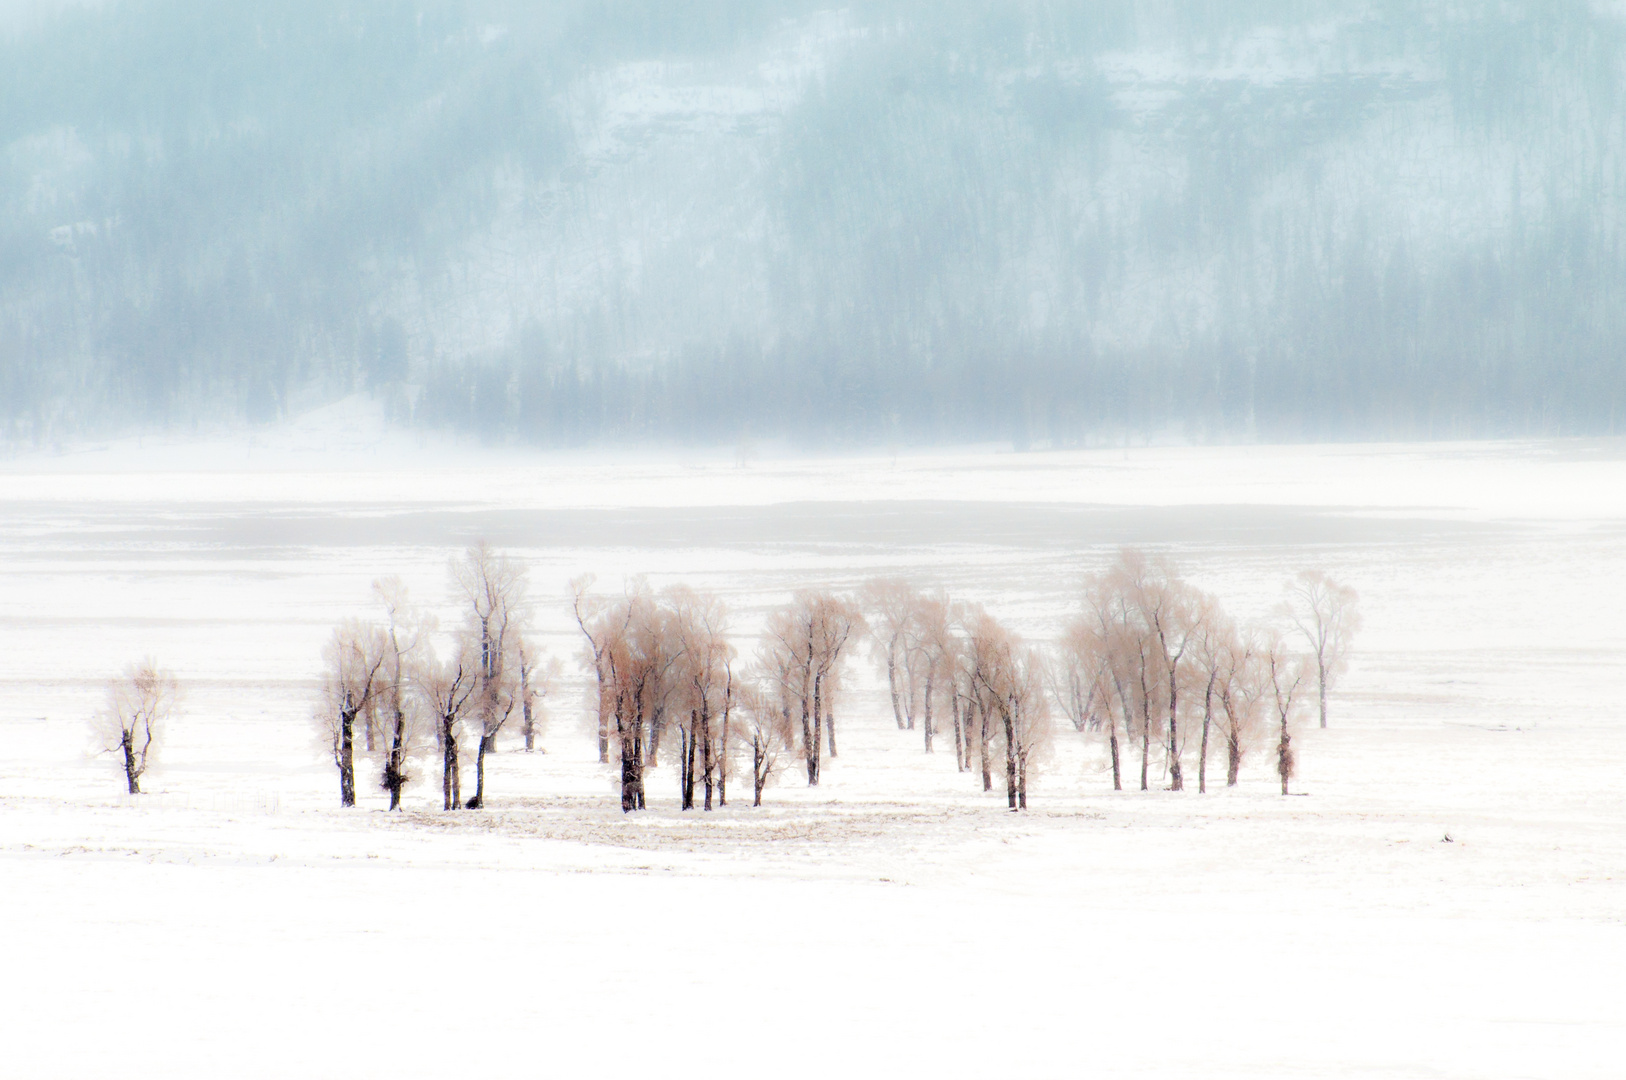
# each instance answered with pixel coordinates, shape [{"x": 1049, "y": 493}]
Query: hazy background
[{"x": 633, "y": 220}]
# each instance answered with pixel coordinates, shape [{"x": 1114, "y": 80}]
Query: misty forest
[{"x": 589, "y": 221}]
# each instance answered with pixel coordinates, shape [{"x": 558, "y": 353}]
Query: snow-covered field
[{"x": 894, "y": 921}]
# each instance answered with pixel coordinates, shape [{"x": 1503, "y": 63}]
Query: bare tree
[
  {"x": 809, "y": 636},
  {"x": 892, "y": 603},
  {"x": 631, "y": 647},
  {"x": 451, "y": 687},
  {"x": 537, "y": 678},
  {"x": 703, "y": 688},
  {"x": 1082, "y": 678},
  {"x": 1287, "y": 674},
  {"x": 1010, "y": 681},
  {"x": 492, "y": 587},
  {"x": 599, "y": 626},
  {"x": 353, "y": 658},
  {"x": 765, "y": 728},
  {"x": 392, "y": 705},
  {"x": 1213, "y": 653},
  {"x": 1242, "y": 692},
  {"x": 139, "y": 705},
  {"x": 932, "y": 647},
  {"x": 1327, "y": 615}
]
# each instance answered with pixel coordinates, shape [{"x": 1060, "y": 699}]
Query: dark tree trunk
[
  {"x": 818, "y": 732},
  {"x": 1233, "y": 759},
  {"x": 132, "y": 778},
  {"x": 722, "y": 755},
  {"x": 707, "y": 766},
  {"x": 759, "y": 770},
  {"x": 830, "y": 726},
  {"x": 1010, "y": 755},
  {"x": 1022, "y": 784},
  {"x": 1176, "y": 779},
  {"x": 686, "y": 763},
  {"x": 1117, "y": 768},
  {"x": 478, "y": 802},
  {"x": 449, "y": 783},
  {"x": 347, "y": 757},
  {"x": 982, "y": 747},
  {"x": 1284, "y": 756}
]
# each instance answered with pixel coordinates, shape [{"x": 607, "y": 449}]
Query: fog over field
[
  {"x": 593, "y": 221},
  {"x": 754, "y": 538}
]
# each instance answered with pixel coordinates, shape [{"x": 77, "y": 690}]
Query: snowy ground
[{"x": 896, "y": 920}]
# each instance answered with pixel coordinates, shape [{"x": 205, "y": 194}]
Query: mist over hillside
[{"x": 596, "y": 220}]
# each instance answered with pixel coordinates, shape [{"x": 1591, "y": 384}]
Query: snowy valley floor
[{"x": 895, "y": 920}]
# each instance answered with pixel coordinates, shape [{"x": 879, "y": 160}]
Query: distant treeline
[{"x": 597, "y": 220}]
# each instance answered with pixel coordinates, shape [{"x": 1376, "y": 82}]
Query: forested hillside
[{"x": 916, "y": 221}]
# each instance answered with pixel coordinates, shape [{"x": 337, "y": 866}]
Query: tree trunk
[
  {"x": 1010, "y": 754},
  {"x": 448, "y": 767},
  {"x": 982, "y": 747},
  {"x": 707, "y": 766},
  {"x": 1321, "y": 687},
  {"x": 686, "y": 765},
  {"x": 818, "y": 723},
  {"x": 892, "y": 680},
  {"x": 478, "y": 802},
  {"x": 1117, "y": 769},
  {"x": 1022, "y": 784},
  {"x": 810, "y": 742},
  {"x": 926, "y": 716},
  {"x": 1284, "y": 755},
  {"x": 830, "y": 726},
  {"x": 1233, "y": 759},
  {"x": 132, "y": 778},
  {"x": 1145, "y": 750},
  {"x": 722, "y": 753},
  {"x": 395, "y": 764},
  {"x": 1202, "y": 754},
  {"x": 347, "y": 757},
  {"x": 1176, "y": 780},
  {"x": 959, "y": 734},
  {"x": 759, "y": 771}
]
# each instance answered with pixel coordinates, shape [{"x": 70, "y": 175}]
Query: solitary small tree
[
  {"x": 1327, "y": 615},
  {"x": 139, "y": 705}
]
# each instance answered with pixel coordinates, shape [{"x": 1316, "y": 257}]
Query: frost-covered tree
[
  {"x": 537, "y": 676},
  {"x": 396, "y": 708},
  {"x": 451, "y": 687},
  {"x": 891, "y": 605},
  {"x": 1327, "y": 615},
  {"x": 1009, "y": 678},
  {"x": 765, "y": 729},
  {"x": 1287, "y": 676},
  {"x": 130, "y": 726},
  {"x": 492, "y": 589},
  {"x": 811, "y": 634},
  {"x": 352, "y": 662},
  {"x": 702, "y": 691}
]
